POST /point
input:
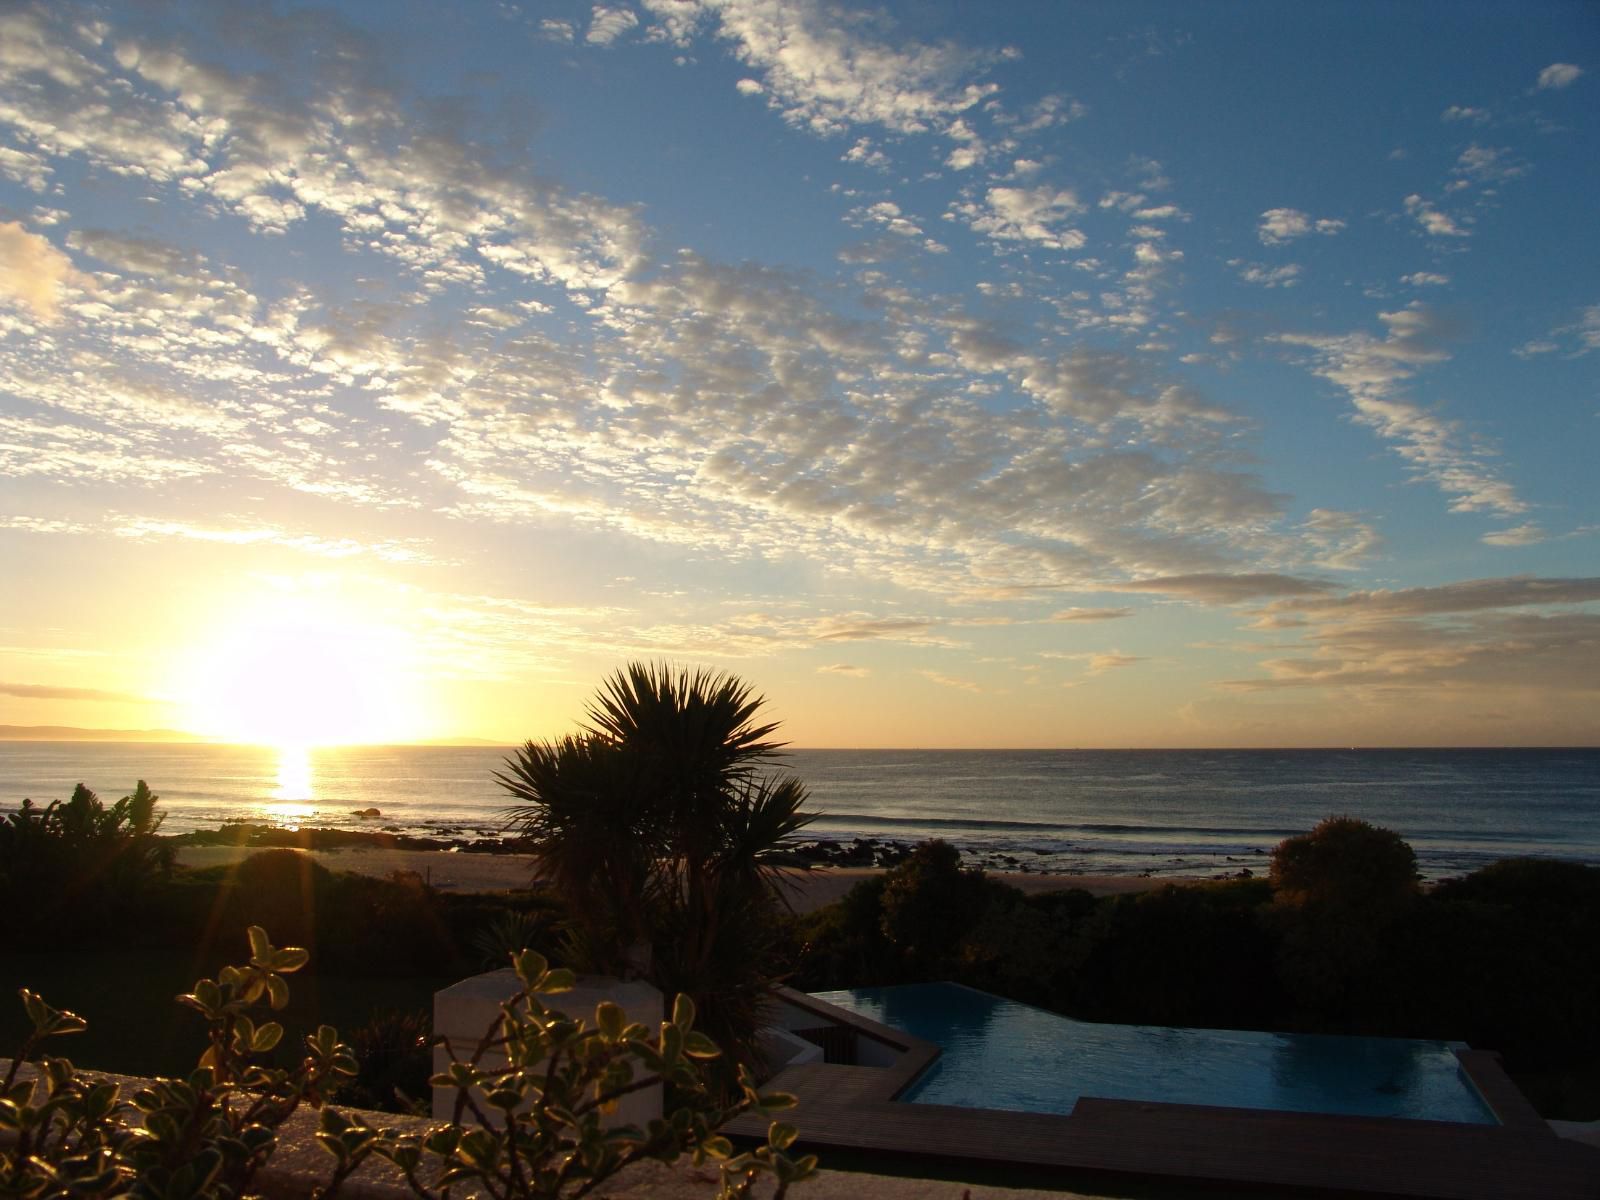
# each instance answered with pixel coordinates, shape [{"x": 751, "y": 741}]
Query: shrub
[
  {"x": 1197, "y": 954},
  {"x": 1345, "y": 863},
  {"x": 86, "y": 857},
  {"x": 1343, "y": 892},
  {"x": 539, "y": 1132}
]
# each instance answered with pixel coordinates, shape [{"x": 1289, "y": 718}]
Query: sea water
[{"x": 1167, "y": 812}]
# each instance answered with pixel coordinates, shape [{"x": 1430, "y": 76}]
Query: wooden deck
[{"x": 1245, "y": 1150}]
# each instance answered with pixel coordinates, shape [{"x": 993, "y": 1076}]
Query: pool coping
[{"x": 854, "y": 1108}]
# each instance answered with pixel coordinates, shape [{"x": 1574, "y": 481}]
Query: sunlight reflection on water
[{"x": 294, "y": 790}]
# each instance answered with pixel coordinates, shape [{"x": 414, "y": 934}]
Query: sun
[{"x": 302, "y": 669}]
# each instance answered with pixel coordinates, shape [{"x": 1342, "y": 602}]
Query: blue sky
[{"x": 1028, "y": 374}]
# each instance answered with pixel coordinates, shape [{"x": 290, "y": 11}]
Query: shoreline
[{"x": 457, "y": 871}]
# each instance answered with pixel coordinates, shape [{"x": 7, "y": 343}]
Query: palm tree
[{"x": 659, "y": 825}]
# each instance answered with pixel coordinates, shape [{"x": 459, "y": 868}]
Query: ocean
[{"x": 1167, "y": 812}]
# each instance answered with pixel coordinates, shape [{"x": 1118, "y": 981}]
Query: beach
[{"x": 457, "y": 871}]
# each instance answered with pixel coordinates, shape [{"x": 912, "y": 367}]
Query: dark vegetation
[
  {"x": 112, "y": 930},
  {"x": 1340, "y": 939},
  {"x": 529, "y": 1114},
  {"x": 661, "y": 827}
]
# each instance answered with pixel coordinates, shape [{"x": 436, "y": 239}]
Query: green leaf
[
  {"x": 530, "y": 966},
  {"x": 278, "y": 991},
  {"x": 559, "y": 980},
  {"x": 683, "y": 1012},
  {"x": 775, "y": 1101},
  {"x": 290, "y": 959},
  {"x": 698, "y": 1045},
  {"x": 781, "y": 1136},
  {"x": 610, "y": 1018},
  {"x": 260, "y": 944}
]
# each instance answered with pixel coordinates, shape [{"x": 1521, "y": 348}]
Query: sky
[{"x": 1041, "y": 374}]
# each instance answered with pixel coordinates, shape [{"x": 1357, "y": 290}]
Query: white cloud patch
[
  {"x": 1519, "y": 535},
  {"x": 1487, "y": 164},
  {"x": 1373, "y": 372},
  {"x": 33, "y": 273},
  {"x": 1037, "y": 215},
  {"x": 1341, "y": 541},
  {"x": 827, "y": 73},
  {"x": 1419, "y": 279},
  {"x": 1262, "y": 275},
  {"x": 1432, "y": 220},
  {"x": 1279, "y": 225},
  {"x": 607, "y": 23},
  {"x": 1460, "y": 112},
  {"x": 1559, "y": 75},
  {"x": 1576, "y": 339}
]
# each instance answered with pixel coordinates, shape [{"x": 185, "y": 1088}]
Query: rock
[{"x": 367, "y": 812}]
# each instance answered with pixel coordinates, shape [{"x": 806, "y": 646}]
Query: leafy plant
[
  {"x": 660, "y": 827},
  {"x": 82, "y": 853},
  {"x": 206, "y": 1135},
  {"x": 538, "y": 1088},
  {"x": 540, "y": 1131}
]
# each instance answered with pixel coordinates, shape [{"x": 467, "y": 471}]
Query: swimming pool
[{"x": 1005, "y": 1055}]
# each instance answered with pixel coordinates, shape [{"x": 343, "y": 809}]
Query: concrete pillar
[{"x": 463, "y": 1012}]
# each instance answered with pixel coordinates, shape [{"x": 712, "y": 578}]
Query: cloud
[
  {"x": 1264, "y": 276},
  {"x": 1577, "y": 338},
  {"x": 1038, "y": 215},
  {"x": 843, "y": 669},
  {"x": 827, "y": 73},
  {"x": 607, "y": 24},
  {"x": 950, "y": 681},
  {"x": 152, "y": 529},
  {"x": 33, "y": 272},
  {"x": 1433, "y": 221},
  {"x": 1091, "y": 614},
  {"x": 553, "y": 30},
  {"x": 1425, "y": 279},
  {"x": 1342, "y": 541},
  {"x": 1520, "y": 535},
  {"x": 1279, "y": 225},
  {"x": 1373, "y": 371},
  {"x": 1215, "y": 588},
  {"x": 1099, "y": 664},
  {"x": 1487, "y": 164},
  {"x": 37, "y": 691},
  {"x": 1471, "y": 595},
  {"x": 1547, "y": 662},
  {"x": 1458, "y": 112},
  {"x": 1559, "y": 75},
  {"x": 861, "y": 629}
]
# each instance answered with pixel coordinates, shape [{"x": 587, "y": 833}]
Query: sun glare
[{"x": 296, "y": 670}]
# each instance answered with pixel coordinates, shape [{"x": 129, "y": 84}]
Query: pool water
[{"x": 1005, "y": 1055}]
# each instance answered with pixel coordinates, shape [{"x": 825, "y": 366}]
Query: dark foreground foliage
[
  {"x": 1347, "y": 943},
  {"x": 530, "y": 1109}
]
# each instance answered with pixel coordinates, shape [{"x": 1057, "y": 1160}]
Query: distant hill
[{"x": 71, "y": 733}]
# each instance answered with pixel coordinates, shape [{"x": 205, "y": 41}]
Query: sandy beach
[{"x": 466, "y": 872}]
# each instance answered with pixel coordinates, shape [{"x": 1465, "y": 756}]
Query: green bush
[{"x": 538, "y": 1120}]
